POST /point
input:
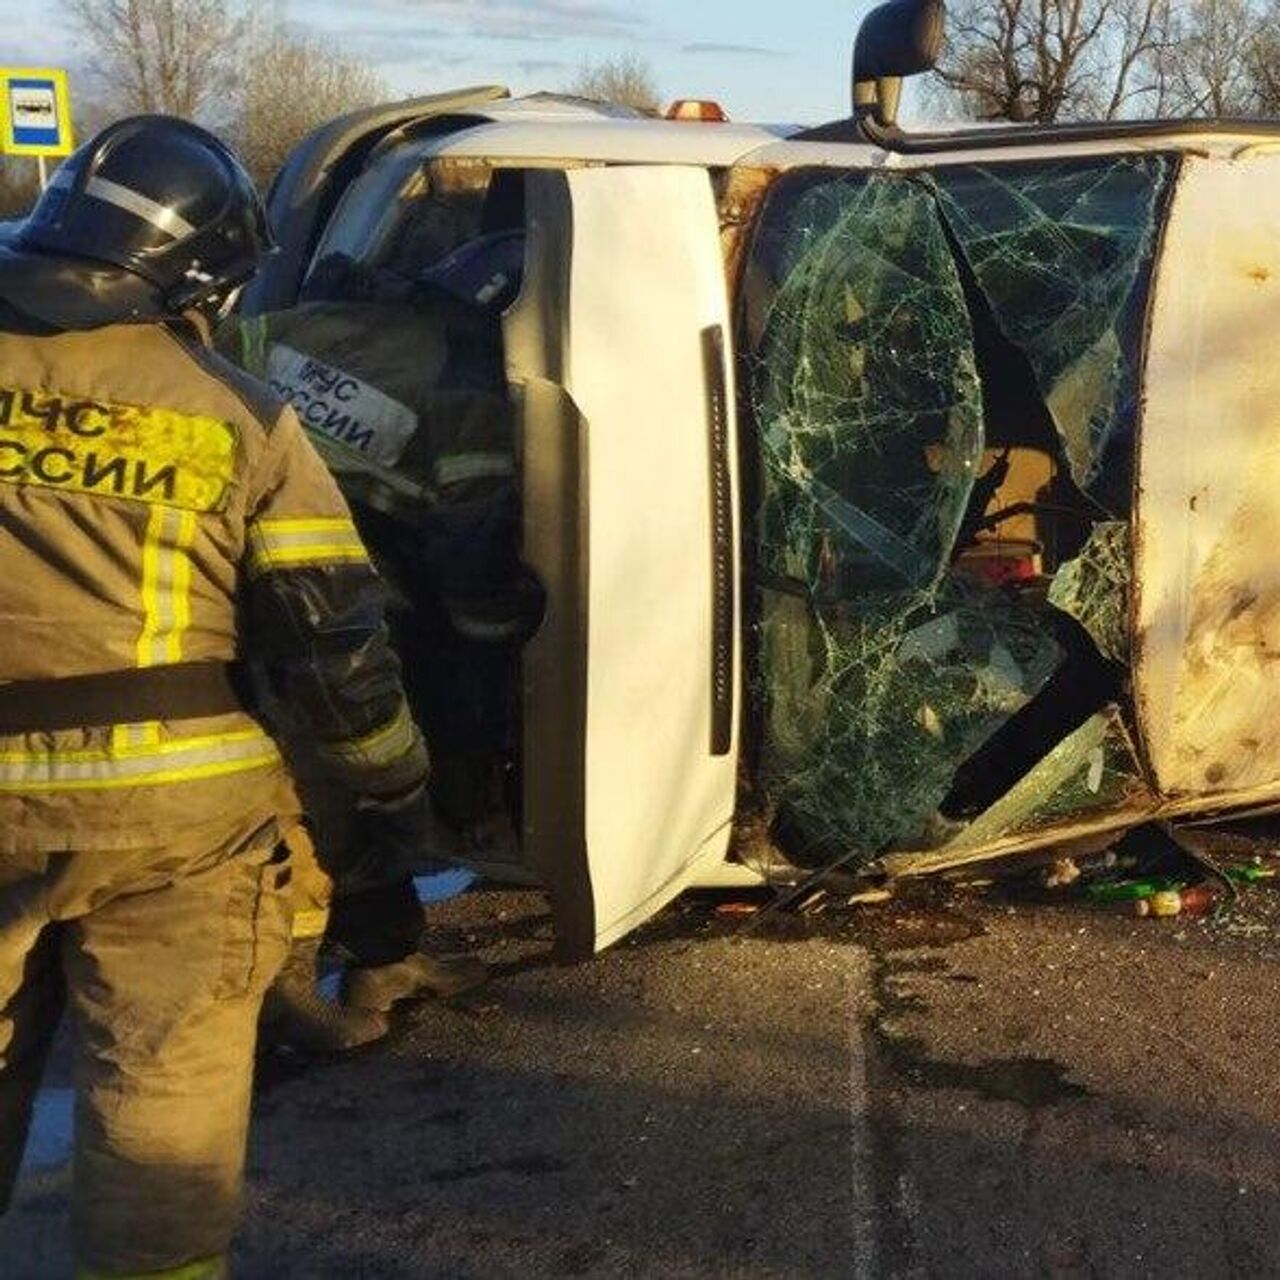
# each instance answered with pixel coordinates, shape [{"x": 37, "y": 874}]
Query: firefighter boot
[
  {"x": 296, "y": 1015},
  {"x": 375, "y": 989}
]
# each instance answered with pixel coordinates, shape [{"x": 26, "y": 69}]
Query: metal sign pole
[{"x": 44, "y": 172}]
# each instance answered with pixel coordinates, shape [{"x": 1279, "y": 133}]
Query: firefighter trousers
[{"x": 163, "y": 957}]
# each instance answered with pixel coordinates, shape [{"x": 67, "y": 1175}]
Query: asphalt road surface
[{"x": 943, "y": 1085}]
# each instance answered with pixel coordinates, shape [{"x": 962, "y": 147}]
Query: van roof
[
  {"x": 966, "y": 134},
  {"x": 551, "y": 126},
  {"x": 513, "y": 131}
]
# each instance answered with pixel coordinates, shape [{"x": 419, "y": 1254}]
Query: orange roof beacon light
[{"x": 697, "y": 109}]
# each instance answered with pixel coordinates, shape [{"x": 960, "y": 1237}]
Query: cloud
[
  {"x": 734, "y": 50},
  {"x": 429, "y": 47},
  {"x": 536, "y": 66},
  {"x": 32, "y": 41},
  {"x": 522, "y": 19}
]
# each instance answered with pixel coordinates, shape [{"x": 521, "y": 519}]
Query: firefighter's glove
[{"x": 403, "y": 835}]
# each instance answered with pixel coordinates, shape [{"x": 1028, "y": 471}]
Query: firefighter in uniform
[
  {"x": 166, "y": 525},
  {"x": 401, "y": 385}
]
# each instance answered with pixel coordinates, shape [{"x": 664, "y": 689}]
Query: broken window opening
[
  {"x": 880, "y": 667},
  {"x": 1092, "y": 772},
  {"x": 944, "y": 398},
  {"x": 1062, "y": 252}
]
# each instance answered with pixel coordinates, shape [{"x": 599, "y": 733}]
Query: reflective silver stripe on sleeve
[
  {"x": 383, "y": 747},
  {"x": 454, "y": 468},
  {"x": 288, "y": 544},
  {"x": 134, "y": 202},
  {"x": 474, "y": 628},
  {"x": 175, "y": 761}
]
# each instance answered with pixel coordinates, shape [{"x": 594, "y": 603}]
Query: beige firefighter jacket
[{"x": 157, "y": 506}]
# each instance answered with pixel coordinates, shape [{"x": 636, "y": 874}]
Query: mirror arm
[{"x": 898, "y": 38}]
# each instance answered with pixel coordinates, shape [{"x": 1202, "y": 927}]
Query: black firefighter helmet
[{"x": 153, "y": 216}]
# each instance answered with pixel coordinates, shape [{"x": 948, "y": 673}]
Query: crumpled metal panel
[
  {"x": 1057, "y": 250},
  {"x": 1094, "y": 588}
]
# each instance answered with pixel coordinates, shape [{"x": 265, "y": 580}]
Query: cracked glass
[
  {"x": 867, "y": 394},
  {"x": 1091, "y": 772},
  {"x": 1094, "y": 588},
  {"x": 1060, "y": 251},
  {"x": 873, "y": 702},
  {"x": 880, "y": 670},
  {"x": 891, "y": 643}
]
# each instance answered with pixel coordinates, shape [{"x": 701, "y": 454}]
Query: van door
[{"x": 618, "y": 352}]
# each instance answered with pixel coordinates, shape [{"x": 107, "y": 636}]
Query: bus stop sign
[{"x": 36, "y": 119}]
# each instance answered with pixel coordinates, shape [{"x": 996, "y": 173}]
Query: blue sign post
[{"x": 35, "y": 119}]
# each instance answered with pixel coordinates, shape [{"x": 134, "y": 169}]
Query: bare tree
[
  {"x": 625, "y": 79},
  {"x": 1214, "y": 61},
  {"x": 1045, "y": 60},
  {"x": 289, "y": 86},
  {"x": 171, "y": 56},
  {"x": 1264, "y": 61},
  {"x": 1141, "y": 37}
]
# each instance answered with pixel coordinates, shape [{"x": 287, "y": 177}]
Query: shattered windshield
[
  {"x": 1058, "y": 250},
  {"x": 1094, "y": 588},
  {"x": 868, "y": 395},
  {"x": 939, "y": 606}
]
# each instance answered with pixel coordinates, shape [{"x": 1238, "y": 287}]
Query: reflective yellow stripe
[
  {"x": 149, "y": 764},
  {"x": 378, "y": 749},
  {"x": 156, "y": 521},
  {"x": 181, "y": 587},
  {"x": 125, "y": 735},
  {"x": 166, "y": 601},
  {"x": 316, "y": 524},
  {"x": 310, "y": 923},
  {"x": 174, "y": 746},
  {"x": 286, "y": 544},
  {"x": 166, "y": 587}
]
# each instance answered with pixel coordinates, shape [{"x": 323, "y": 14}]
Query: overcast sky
[{"x": 776, "y": 61}]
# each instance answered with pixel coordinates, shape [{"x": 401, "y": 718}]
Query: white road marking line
[{"x": 861, "y": 1151}]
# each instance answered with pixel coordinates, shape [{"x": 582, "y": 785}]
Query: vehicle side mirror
[{"x": 897, "y": 39}]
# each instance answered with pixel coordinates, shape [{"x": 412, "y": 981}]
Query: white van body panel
[
  {"x": 634, "y": 600},
  {"x": 1207, "y": 679}
]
